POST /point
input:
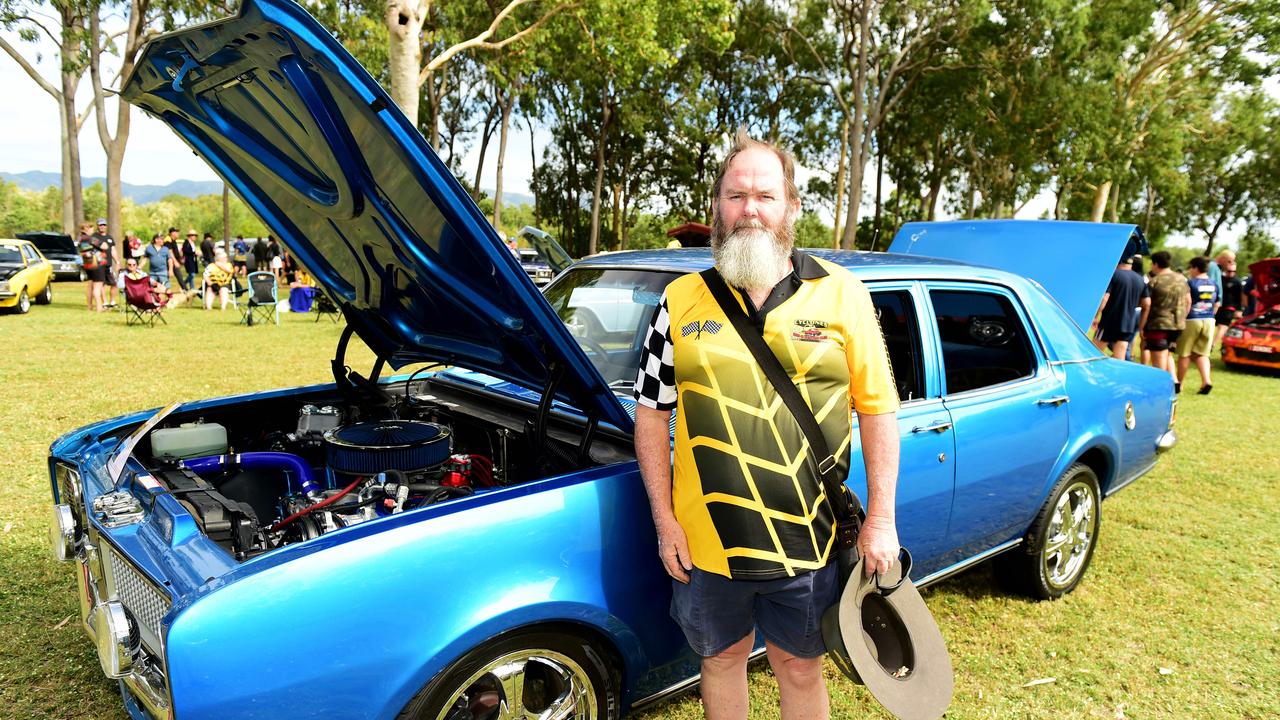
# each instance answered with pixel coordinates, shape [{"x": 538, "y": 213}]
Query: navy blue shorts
[{"x": 716, "y": 612}]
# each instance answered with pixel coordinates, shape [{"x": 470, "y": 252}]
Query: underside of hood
[
  {"x": 1266, "y": 281},
  {"x": 316, "y": 147}
]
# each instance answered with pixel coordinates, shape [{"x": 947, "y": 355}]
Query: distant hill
[
  {"x": 143, "y": 194},
  {"x": 140, "y": 194}
]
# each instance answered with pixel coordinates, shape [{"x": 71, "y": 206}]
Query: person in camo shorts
[
  {"x": 1170, "y": 299},
  {"x": 1196, "y": 341}
]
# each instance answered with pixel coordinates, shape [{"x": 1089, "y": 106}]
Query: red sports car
[{"x": 1255, "y": 340}]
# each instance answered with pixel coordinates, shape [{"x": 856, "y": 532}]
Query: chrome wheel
[
  {"x": 534, "y": 684},
  {"x": 24, "y": 302},
  {"x": 1070, "y": 535}
]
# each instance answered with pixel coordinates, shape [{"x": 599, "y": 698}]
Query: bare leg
[
  {"x": 801, "y": 687},
  {"x": 1202, "y": 364},
  {"x": 1183, "y": 364},
  {"x": 1119, "y": 348},
  {"x": 724, "y": 682}
]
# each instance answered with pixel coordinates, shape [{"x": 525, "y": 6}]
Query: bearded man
[{"x": 744, "y": 527}]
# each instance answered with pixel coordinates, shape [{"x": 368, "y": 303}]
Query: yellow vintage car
[{"x": 25, "y": 275}]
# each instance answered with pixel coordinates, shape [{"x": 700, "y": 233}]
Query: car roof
[
  {"x": 866, "y": 265},
  {"x": 11, "y": 241}
]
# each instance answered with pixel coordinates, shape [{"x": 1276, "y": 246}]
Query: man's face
[
  {"x": 102, "y": 228},
  {"x": 131, "y": 265},
  {"x": 754, "y": 189},
  {"x": 173, "y": 235}
]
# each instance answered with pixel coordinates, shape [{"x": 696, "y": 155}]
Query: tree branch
[
  {"x": 55, "y": 93},
  {"x": 482, "y": 41}
]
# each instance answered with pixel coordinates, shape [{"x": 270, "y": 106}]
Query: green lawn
[{"x": 1179, "y": 616}]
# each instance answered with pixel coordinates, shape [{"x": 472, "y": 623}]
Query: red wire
[{"x": 317, "y": 506}]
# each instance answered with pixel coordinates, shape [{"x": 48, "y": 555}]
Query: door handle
[
  {"x": 936, "y": 427},
  {"x": 1056, "y": 400}
]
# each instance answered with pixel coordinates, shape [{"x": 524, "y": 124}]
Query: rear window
[{"x": 984, "y": 342}]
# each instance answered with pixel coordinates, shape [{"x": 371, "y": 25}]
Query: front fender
[{"x": 353, "y": 624}]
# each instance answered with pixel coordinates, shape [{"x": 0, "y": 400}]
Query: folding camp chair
[
  {"x": 142, "y": 306},
  {"x": 262, "y": 300},
  {"x": 324, "y": 307}
]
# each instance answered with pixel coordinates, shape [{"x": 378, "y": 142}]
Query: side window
[
  {"x": 901, "y": 331},
  {"x": 983, "y": 340},
  {"x": 30, "y": 252}
]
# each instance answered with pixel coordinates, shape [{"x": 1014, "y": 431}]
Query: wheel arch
[
  {"x": 621, "y": 647},
  {"x": 1096, "y": 450}
]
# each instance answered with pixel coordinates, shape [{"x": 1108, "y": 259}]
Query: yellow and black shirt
[{"x": 746, "y": 489}]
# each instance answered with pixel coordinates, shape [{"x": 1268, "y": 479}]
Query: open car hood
[
  {"x": 320, "y": 152},
  {"x": 1073, "y": 261},
  {"x": 550, "y": 251},
  {"x": 50, "y": 242},
  {"x": 1266, "y": 281}
]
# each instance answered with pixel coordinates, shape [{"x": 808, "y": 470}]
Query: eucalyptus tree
[
  {"x": 64, "y": 23},
  {"x": 869, "y": 54}
]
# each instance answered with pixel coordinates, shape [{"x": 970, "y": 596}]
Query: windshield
[
  {"x": 10, "y": 255},
  {"x": 608, "y": 311}
]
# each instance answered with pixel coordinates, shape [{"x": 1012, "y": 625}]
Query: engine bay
[{"x": 266, "y": 473}]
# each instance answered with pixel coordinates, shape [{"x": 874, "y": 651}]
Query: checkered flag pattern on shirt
[{"x": 656, "y": 380}]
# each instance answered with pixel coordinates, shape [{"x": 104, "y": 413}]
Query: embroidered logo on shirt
[
  {"x": 696, "y": 328},
  {"x": 810, "y": 331}
]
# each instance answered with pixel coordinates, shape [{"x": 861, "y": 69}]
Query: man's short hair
[
  {"x": 1161, "y": 259},
  {"x": 743, "y": 141},
  {"x": 1200, "y": 263}
]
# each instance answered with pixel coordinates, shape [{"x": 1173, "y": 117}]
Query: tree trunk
[
  {"x": 403, "y": 19},
  {"x": 1100, "y": 201},
  {"x": 606, "y": 114},
  {"x": 70, "y": 219},
  {"x": 857, "y": 131},
  {"x": 615, "y": 211},
  {"x": 507, "y": 103},
  {"x": 935, "y": 190},
  {"x": 72, "y": 187},
  {"x": 486, "y": 132},
  {"x": 840, "y": 173},
  {"x": 114, "y": 147},
  {"x": 226, "y": 218},
  {"x": 533, "y": 168},
  {"x": 875, "y": 231}
]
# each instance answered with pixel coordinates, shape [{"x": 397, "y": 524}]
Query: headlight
[
  {"x": 1235, "y": 332},
  {"x": 67, "y": 480},
  {"x": 4, "y": 286}
]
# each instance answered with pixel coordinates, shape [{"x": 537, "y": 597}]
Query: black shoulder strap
[{"x": 843, "y": 502}]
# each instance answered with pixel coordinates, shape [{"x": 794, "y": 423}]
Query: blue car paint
[{"x": 244, "y": 639}]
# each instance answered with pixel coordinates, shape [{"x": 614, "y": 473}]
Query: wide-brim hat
[{"x": 882, "y": 635}]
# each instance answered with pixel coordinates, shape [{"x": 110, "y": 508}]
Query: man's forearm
[
  {"x": 653, "y": 453},
  {"x": 879, "y": 435}
]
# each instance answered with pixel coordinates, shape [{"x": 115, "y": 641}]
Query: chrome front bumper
[{"x": 1166, "y": 441}]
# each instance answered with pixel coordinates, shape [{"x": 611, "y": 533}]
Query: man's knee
[
  {"x": 796, "y": 672},
  {"x": 734, "y": 656}
]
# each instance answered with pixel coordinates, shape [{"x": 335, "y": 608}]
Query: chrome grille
[{"x": 147, "y": 604}]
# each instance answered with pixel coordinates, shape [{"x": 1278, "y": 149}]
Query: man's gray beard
[{"x": 752, "y": 257}]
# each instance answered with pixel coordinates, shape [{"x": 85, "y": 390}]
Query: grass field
[{"x": 1179, "y": 616}]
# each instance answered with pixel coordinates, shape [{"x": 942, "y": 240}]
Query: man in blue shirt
[
  {"x": 1196, "y": 340},
  {"x": 1117, "y": 321}
]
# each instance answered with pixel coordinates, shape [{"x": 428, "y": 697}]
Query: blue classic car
[{"x": 473, "y": 540}]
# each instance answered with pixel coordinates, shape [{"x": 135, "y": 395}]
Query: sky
[{"x": 30, "y": 140}]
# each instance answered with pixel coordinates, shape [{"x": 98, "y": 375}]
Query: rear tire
[
  {"x": 538, "y": 670},
  {"x": 46, "y": 297},
  {"x": 1060, "y": 544}
]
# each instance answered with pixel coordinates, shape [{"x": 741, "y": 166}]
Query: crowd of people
[
  {"x": 1179, "y": 317},
  {"x": 177, "y": 268}
]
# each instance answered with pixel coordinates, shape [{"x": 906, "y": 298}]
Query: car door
[
  {"x": 1008, "y": 407},
  {"x": 927, "y": 464},
  {"x": 40, "y": 272}
]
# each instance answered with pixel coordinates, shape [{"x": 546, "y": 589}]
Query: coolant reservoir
[{"x": 188, "y": 440}]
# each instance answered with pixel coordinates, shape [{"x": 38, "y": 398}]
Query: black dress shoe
[{"x": 1205, "y": 390}]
